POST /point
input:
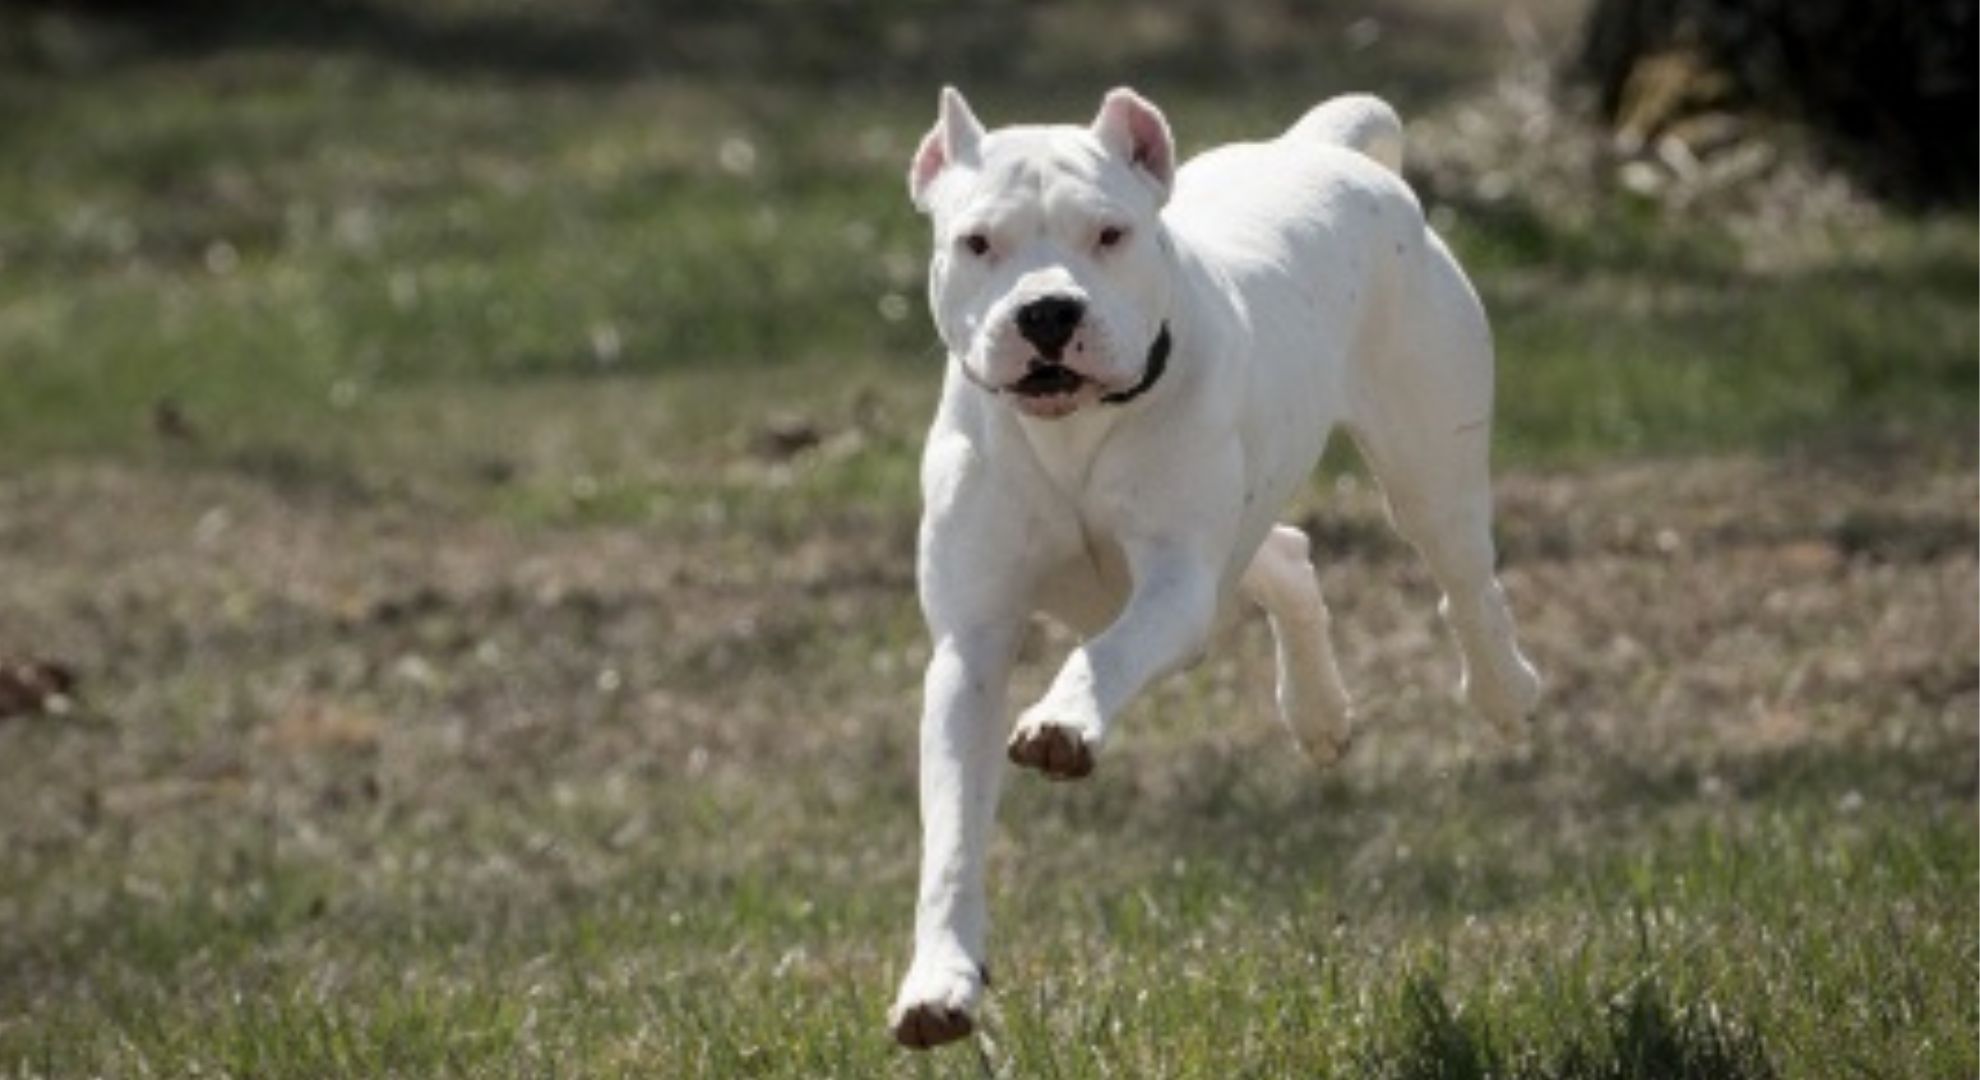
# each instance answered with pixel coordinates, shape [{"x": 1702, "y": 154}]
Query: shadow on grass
[
  {"x": 1640, "y": 1035},
  {"x": 1493, "y": 838}
]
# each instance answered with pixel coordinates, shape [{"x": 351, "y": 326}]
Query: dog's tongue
[{"x": 1045, "y": 380}]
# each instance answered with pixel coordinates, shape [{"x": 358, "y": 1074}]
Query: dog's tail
[{"x": 1361, "y": 122}]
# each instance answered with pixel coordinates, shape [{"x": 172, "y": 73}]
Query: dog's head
[{"x": 1051, "y": 276}]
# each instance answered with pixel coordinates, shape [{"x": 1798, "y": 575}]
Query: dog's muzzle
[
  {"x": 1151, "y": 371},
  {"x": 1048, "y": 378}
]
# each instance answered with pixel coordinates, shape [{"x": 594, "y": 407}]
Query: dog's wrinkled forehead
[{"x": 1050, "y": 171}]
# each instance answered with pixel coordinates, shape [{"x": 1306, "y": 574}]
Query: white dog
[{"x": 1146, "y": 365}]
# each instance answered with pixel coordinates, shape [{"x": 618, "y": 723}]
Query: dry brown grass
[{"x": 229, "y": 638}]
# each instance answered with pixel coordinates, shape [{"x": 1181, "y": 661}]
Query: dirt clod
[{"x": 33, "y": 686}]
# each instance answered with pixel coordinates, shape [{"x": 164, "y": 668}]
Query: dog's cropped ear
[
  {"x": 1132, "y": 128},
  {"x": 954, "y": 140}
]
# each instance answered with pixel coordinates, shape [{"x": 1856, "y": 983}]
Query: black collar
[{"x": 1158, "y": 362}]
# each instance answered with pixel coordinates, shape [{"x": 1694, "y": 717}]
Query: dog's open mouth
[{"x": 1047, "y": 380}]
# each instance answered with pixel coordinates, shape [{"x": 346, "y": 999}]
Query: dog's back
[{"x": 1261, "y": 206}]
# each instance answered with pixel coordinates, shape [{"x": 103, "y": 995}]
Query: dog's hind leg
[
  {"x": 1440, "y": 499},
  {"x": 1423, "y": 420},
  {"x": 1455, "y": 538},
  {"x": 1313, "y": 704}
]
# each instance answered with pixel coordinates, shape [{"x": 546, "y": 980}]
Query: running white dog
[{"x": 1146, "y": 365}]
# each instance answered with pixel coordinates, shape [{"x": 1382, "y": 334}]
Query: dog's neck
[{"x": 1066, "y": 448}]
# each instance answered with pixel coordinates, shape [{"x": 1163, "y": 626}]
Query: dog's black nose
[{"x": 1049, "y": 322}]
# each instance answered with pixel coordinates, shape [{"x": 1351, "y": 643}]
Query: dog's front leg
[
  {"x": 962, "y": 723},
  {"x": 1164, "y": 626}
]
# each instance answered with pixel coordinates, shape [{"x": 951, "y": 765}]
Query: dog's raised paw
[
  {"x": 934, "y": 1007},
  {"x": 1053, "y": 749},
  {"x": 1325, "y": 734},
  {"x": 1328, "y": 749},
  {"x": 1506, "y": 703},
  {"x": 928, "y": 1025}
]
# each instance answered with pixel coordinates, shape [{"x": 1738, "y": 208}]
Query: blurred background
[{"x": 456, "y": 552}]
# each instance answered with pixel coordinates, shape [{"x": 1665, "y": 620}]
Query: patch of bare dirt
[{"x": 318, "y": 657}]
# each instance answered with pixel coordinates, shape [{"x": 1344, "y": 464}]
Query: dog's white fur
[{"x": 1301, "y": 289}]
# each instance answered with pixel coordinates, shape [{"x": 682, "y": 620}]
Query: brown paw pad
[
  {"x": 927, "y": 1026},
  {"x": 1054, "y": 751}
]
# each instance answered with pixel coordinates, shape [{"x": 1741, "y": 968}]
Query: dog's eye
[
  {"x": 976, "y": 244},
  {"x": 1111, "y": 236}
]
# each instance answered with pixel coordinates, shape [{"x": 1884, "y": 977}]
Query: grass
[
  {"x": 476, "y": 680},
  {"x": 277, "y": 242}
]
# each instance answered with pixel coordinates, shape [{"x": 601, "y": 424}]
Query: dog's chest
[
  {"x": 1066, "y": 451},
  {"x": 1085, "y": 585},
  {"x": 1084, "y": 578}
]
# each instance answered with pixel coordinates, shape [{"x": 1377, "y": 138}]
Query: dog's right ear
[{"x": 954, "y": 140}]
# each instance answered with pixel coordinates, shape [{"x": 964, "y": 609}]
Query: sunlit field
[{"x": 466, "y": 462}]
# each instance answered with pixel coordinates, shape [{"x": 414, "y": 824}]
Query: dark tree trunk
[{"x": 1889, "y": 85}]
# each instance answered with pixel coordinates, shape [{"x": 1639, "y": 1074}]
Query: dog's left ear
[{"x": 1131, "y": 127}]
